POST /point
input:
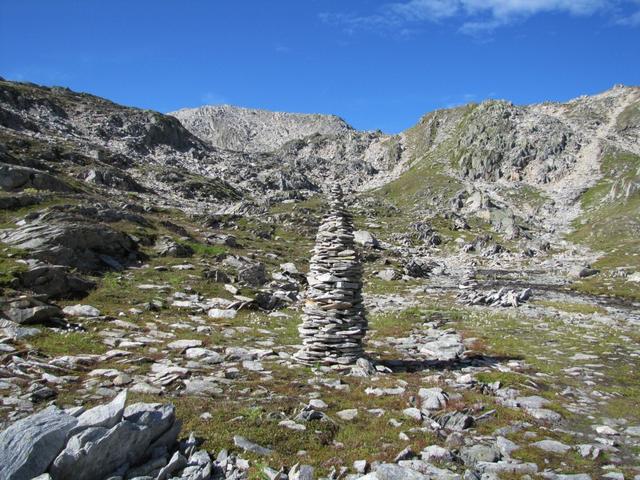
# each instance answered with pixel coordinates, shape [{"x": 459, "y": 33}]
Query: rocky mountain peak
[{"x": 253, "y": 130}]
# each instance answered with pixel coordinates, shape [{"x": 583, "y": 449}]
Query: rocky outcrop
[
  {"x": 84, "y": 445},
  {"x": 28, "y": 447},
  {"x": 13, "y": 178},
  {"x": 73, "y": 240},
  {"x": 26, "y": 310},
  {"x": 113, "y": 178},
  {"x": 54, "y": 281},
  {"x": 251, "y": 130}
]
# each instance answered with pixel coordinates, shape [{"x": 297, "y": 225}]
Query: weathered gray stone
[
  {"x": 14, "y": 177},
  {"x": 81, "y": 311},
  {"x": 479, "y": 453},
  {"x": 432, "y": 398},
  {"x": 552, "y": 446},
  {"x": 388, "y": 471},
  {"x": 105, "y": 416},
  {"x": 388, "y": 274},
  {"x": 98, "y": 451},
  {"x": 348, "y": 414},
  {"x": 55, "y": 281},
  {"x": 29, "y": 446},
  {"x": 249, "y": 446},
  {"x": 364, "y": 238},
  {"x": 28, "y": 310}
]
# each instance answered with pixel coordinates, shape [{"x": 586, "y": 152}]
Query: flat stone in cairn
[{"x": 334, "y": 323}]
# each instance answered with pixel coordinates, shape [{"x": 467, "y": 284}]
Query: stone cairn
[{"x": 333, "y": 323}]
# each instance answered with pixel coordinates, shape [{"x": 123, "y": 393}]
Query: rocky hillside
[
  {"x": 165, "y": 256},
  {"x": 251, "y": 130}
]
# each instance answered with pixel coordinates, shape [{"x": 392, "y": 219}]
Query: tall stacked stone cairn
[{"x": 334, "y": 322}]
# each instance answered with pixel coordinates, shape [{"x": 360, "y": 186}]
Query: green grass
[
  {"x": 630, "y": 117},
  {"x": 207, "y": 250},
  {"x": 10, "y": 267},
  {"x": 611, "y": 224},
  {"x": 570, "y": 307},
  {"x": 55, "y": 344}
]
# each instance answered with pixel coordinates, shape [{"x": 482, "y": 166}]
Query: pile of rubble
[{"x": 495, "y": 298}]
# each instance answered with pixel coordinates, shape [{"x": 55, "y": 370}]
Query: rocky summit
[{"x": 223, "y": 292}]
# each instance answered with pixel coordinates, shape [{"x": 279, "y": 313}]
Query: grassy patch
[
  {"x": 584, "y": 308},
  {"x": 54, "y": 344},
  {"x": 207, "y": 250},
  {"x": 611, "y": 224},
  {"x": 10, "y": 266}
]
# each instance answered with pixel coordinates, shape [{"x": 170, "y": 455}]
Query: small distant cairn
[{"x": 334, "y": 322}]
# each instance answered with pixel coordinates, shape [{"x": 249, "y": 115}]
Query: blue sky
[{"x": 377, "y": 64}]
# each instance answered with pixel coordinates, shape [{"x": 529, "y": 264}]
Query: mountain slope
[{"x": 251, "y": 130}]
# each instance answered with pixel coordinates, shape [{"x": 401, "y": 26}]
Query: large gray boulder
[
  {"x": 97, "y": 451},
  {"x": 29, "y": 446},
  {"x": 364, "y": 238},
  {"x": 114, "y": 178},
  {"x": 73, "y": 240},
  {"x": 249, "y": 271},
  {"x": 105, "y": 416},
  {"x": 27, "y": 310},
  {"x": 55, "y": 281},
  {"x": 167, "y": 247},
  {"x": 13, "y": 177},
  {"x": 443, "y": 345}
]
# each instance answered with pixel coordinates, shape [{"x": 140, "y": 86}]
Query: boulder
[
  {"x": 418, "y": 267},
  {"x": 443, "y": 346},
  {"x": 76, "y": 241},
  {"x": 97, "y": 451},
  {"x": 433, "y": 398},
  {"x": 389, "y": 471},
  {"x": 479, "y": 453},
  {"x": 366, "y": 239},
  {"x": 27, "y": 310},
  {"x": 167, "y": 247},
  {"x": 249, "y": 446},
  {"x": 29, "y": 445},
  {"x": 388, "y": 274},
  {"x": 105, "y": 416},
  {"x": 253, "y": 275},
  {"x": 81, "y": 311},
  {"x": 55, "y": 281},
  {"x": 552, "y": 446},
  {"x": 249, "y": 272},
  {"x": 113, "y": 178},
  {"x": 13, "y": 177},
  {"x": 222, "y": 239},
  {"x": 221, "y": 313}
]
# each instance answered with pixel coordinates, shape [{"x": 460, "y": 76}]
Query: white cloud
[
  {"x": 631, "y": 20},
  {"x": 424, "y": 9},
  {"x": 212, "y": 98},
  {"x": 504, "y": 9},
  {"x": 477, "y": 16}
]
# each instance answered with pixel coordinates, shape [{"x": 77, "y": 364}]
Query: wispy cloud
[
  {"x": 280, "y": 48},
  {"x": 212, "y": 98},
  {"x": 476, "y": 17},
  {"x": 632, "y": 19}
]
